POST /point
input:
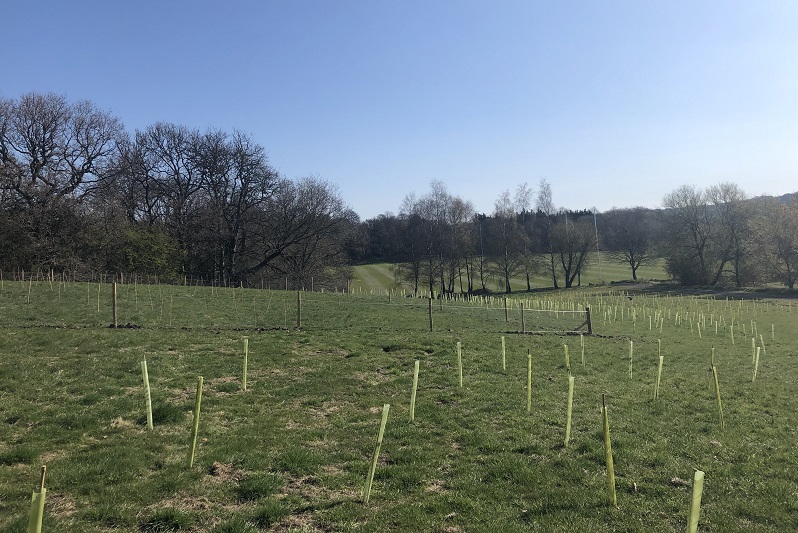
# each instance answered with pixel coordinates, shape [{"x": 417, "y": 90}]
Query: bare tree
[
  {"x": 170, "y": 153},
  {"x": 52, "y": 154},
  {"x": 296, "y": 215},
  {"x": 628, "y": 236},
  {"x": 410, "y": 242},
  {"x": 690, "y": 226},
  {"x": 461, "y": 243},
  {"x": 433, "y": 211},
  {"x": 546, "y": 212},
  {"x": 507, "y": 240},
  {"x": 705, "y": 231},
  {"x": 573, "y": 242},
  {"x": 522, "y": 202},
  {"x": 733, "y": 218},
  {"x": 237, "y": 180},
  {"x": 777, "y": 235},
  {"x": 52, "y": 149}
]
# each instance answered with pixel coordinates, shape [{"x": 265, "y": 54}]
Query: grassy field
[
  {"x": 291, "y": 452},
  {"x": 380, "y": 276}
]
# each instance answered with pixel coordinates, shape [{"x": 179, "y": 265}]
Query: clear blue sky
[{"x": 616, "y": 103}]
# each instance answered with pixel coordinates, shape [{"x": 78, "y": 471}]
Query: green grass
[
  {"x": 292, "y": 452},
  {"x": 379, "y": 276}
]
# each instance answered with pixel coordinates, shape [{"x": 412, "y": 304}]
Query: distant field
[{"x": 380, "y": 275}]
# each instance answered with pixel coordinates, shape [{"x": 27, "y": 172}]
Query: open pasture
[
  {"x": 292, "y": 451},
  {"x": 602, "y": 269}
]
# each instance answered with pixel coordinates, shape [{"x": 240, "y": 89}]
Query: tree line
[
  {"x": 79, "y": 193},
  {"x": 711, "y": 237}
]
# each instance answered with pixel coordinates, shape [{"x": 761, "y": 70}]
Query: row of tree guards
[
  {"x": 588, "y": 323},
  {"x": 698, "y": 477},
  {"x": 37, "y": 503},
  {"x": 197, "y": 404},
  {"x": 699, "y": 321},
  {"x": 37, "y": 499}
]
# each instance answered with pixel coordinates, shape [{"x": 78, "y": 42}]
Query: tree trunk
[{"x": 553, "y": 271}]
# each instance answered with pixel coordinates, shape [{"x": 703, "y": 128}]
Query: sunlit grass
[
  {"x": 293, "y": 450},
  {"x": 601, "y": 269}
]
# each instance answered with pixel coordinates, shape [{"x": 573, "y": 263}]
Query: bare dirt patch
[
  {"x": 225, "y": 473},
  {"x": 61, "y": 505}
]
